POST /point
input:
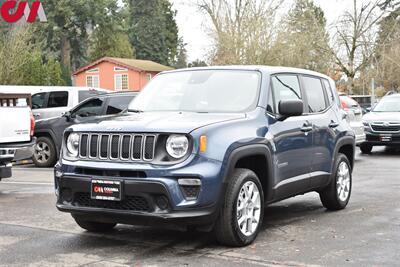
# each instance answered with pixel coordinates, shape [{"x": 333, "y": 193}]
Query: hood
[
  {"x": 175, "y": 122},
  {"x": 382, "y": 117}
]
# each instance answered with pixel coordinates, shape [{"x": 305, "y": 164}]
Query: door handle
[
  {"x": 307, "y": 128},
  {"x": 333, "y": 124}
]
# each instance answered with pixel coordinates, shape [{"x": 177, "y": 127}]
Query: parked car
[
  {"x": 49, "y": 131},
  {"x": 16, "y": 131},
  {"x": 209, "y": 148},
  {"x": 382, "y": 124},
  {"x": 354, "y": 115},
  {"x": 53, "y": 101}
]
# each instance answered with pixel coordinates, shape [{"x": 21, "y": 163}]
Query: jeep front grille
[{"x": 118, "y": 147}]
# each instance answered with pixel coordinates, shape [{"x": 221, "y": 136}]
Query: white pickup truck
[{"x": 16, "y": 130}]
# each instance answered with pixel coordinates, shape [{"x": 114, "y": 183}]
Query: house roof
[{"x": 134, "y": 64}]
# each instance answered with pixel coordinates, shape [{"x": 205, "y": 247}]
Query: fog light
[
  {"x": 190, "y": 188},
  {"x": 162, "y": 202}
]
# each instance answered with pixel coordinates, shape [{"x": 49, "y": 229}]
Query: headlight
[
  {"x": 366, "y": 123},
  {"x": 177, "y": 146},
  {"x": 73, "y": 144}
]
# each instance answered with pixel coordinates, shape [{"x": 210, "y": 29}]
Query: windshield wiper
[{"x": 135, "y": 110}]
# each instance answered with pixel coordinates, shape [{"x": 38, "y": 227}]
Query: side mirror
[
  {"x": 290, "y": 108},
  {"x": 368, "y": 109},
  {"x": 67, "y": 115}
]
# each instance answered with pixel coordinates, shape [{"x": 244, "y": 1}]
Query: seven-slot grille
[{"x": 121, "y": 147}]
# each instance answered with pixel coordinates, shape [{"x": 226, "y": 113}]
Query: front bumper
[
  {"x": 382, "y": 139},
  {"x": 140, "y": 203}
]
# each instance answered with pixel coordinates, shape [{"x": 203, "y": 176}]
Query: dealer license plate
[
  {"x": 106, "y": 190},
  {"x": 385, "y": 138}
]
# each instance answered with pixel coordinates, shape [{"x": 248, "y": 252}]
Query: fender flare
[
  {"x": 244, "y": 151},
  {"x": 346, "y": 140}
]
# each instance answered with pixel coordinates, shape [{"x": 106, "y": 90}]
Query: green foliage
[
  {"x": 181, "y": 57},
  {"x": 197, "y": 63},
  {"x": 153, "y": 30},
  {"x": 302, "y": 40},
  {"x": 21, "y": 60}
]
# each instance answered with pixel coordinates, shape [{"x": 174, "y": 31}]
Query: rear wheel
[
  {"x": 336, "y": 195},
  {"x": 44, "y": 154},
  {"x": 242, "y": 212},
  {"x": 96, "y": 227},
  {"x": 365, "y": 148}
]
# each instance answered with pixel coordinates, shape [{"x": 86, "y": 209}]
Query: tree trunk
[{"x": 66, "y": 53}]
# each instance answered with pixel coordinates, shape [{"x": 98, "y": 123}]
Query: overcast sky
[{"x": 192, "y": 26}]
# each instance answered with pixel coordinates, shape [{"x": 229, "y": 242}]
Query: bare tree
[
  {"x": 354, "y": 39},
  {"x": 242, "y": 30}
]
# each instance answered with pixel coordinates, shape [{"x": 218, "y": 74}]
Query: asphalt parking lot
[{"x": 296, "y": 232}]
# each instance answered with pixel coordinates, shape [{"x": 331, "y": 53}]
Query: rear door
[
  {"x": 39, "y": 103},
  {"x": 321, "y": 113},
  {"x": 292, "y": 139}
]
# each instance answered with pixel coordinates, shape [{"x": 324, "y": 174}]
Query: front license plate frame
[{"x": 110, "y": 190}]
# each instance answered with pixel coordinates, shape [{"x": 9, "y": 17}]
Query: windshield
[
  {"x": 388, "y": 105},
  {"x": 200, "y": 91}
]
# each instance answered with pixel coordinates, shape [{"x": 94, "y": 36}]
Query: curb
[{"x": 22, "y": 162}]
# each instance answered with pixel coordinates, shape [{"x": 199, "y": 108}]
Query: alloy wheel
[
  {"x": 343, "y": 181},
  {"x": 248, "y": 208}
]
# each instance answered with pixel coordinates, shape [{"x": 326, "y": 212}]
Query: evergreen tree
[
  {"x": 303, "y": 41},
  {"x": 153, "y": 29},
  {"x": 181, "y": 57}
]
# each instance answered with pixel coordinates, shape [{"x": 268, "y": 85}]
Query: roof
[
  {"x": 134, "y": 64},
  {"x": 262, "y": 68}
]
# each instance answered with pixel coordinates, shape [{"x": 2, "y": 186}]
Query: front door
[{"x": 292, "y": 140}]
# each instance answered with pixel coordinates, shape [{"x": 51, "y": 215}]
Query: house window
[
  {"x": 96, "y": 70},
  {"x": 121, "y": 82},
  {"x": 92, "y": 81},
  {"x": 120, "y": 69},
  {"x": 149, "y": 76}
]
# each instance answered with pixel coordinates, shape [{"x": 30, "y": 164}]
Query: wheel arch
[
  {"x": 256, "y": 157},
  {"x": 346, "y": 146}
]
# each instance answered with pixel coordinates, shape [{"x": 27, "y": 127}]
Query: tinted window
[
  {"x": 315, "y": 94},
  {"x": 38, "y": 100},
  {"x": 58, "y": 99},
  {"x": 331, "y": 96},
  {"x": 118, "y": 104},
  {"x": 91, "y": 108},
  {"x": 286, "y": 87}
]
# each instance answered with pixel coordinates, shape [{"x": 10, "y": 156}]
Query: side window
[
  {"x": 38, "y": 100},
  {"x": 118, "y": 104},
  {"x": 285, "y": 87},
  {"x": 331, "y": 96},
  {"x": 58, "y": 99},
  {"x": 315, "y": 94},
  {"x": 92, "y": 107}
]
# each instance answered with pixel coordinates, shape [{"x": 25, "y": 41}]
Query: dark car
[
  {"x": 49, "y": 132},
  {"x": 208, "y": 148},
  {"x": 382, "y": 124}
]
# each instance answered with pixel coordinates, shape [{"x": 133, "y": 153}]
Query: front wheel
[
  {"x": 96, "y": 227},
  {"x": 365, "y": 148},
  {"x": 337, "y": 194},
  {"x": 242, "y": 212},
  {"x": 44, "y": 154}
]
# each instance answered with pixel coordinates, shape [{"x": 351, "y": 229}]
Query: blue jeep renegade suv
[{"x": 209, "y": 148}]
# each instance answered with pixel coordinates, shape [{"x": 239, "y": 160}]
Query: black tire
[
  {"x": 95, "y": 227},
  {"x": 226, "y": 227},
  {"x": 366, "y": 148},
  {"x": 330, "y": 196},
  {"x": 44, "y": 160}
]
